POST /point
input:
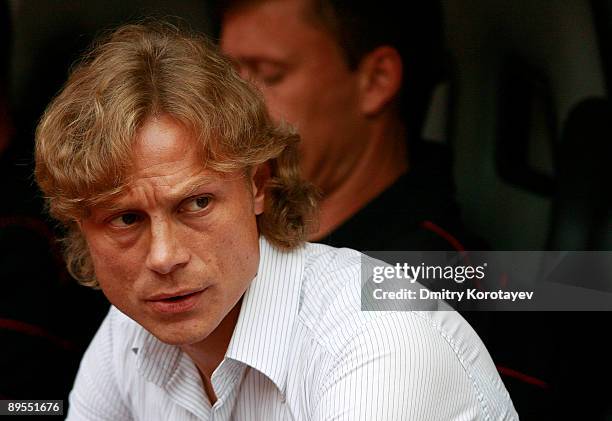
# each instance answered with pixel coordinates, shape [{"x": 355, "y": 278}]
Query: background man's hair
[
  {"x": 84, "y": 140},
  {"x": 414, "y": 29}
]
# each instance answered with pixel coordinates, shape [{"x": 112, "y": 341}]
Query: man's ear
[
  {"x": 380, "y": 79},
  {"x": 259, "y": 177}
]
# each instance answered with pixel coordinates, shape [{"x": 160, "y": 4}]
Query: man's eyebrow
[
  {"x": 255, "y": 59},
  {"x": 181, "y": 193},
  {"x": 193, "y": 186}
]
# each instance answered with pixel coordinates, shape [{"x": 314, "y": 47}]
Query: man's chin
[
  {"x": 180, "y": 338},
  {"x": 179, "y": 333}
]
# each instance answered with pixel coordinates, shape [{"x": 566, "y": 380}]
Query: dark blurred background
[{"x": 523, "y": 104}]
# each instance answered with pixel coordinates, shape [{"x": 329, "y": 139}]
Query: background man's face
[
  {"x": 304, "y": 78},
  {"x": 179, "y": 248}
]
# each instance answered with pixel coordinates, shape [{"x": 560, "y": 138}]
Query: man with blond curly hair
[{"x": 183, "y": 203}]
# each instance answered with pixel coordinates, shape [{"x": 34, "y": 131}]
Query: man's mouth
[
  {"x": 177, "y": 298},
  {"x": 175, "y": 302}
]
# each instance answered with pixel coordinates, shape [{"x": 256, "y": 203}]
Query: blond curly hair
[{"x": 85, "y": 137}]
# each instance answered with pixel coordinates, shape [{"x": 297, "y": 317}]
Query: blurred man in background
[{"x": 355, "y": 80}]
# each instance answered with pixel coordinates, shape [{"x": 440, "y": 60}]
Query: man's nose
[{"x": 166, "y": 252}]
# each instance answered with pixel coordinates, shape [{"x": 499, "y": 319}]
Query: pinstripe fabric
[{"x": 301, "y": 350}]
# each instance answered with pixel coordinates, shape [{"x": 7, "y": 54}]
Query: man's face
[
  {"x": 179, "y": 248},
  {"x": 305, "y": 81}
]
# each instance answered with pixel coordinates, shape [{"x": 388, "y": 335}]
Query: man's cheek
[{"x": 114, "y": 271}]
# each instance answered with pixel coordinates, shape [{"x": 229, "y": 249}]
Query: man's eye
[
  {"x": 272, "y": 78},
  {"x": 125, "y": 220},
  {"x": 196, "y": 204},
  {"x": 268, "y": 74}
]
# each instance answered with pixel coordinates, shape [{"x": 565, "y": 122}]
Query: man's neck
[
  {"x": 384, "y": 160},
  {"x": 209, "y": 353}
]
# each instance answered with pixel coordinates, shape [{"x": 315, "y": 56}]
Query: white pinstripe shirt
[{"x": 302, "y": 350}]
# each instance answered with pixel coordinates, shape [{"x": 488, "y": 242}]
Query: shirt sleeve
[
  {"x": 95, "y": 394},
  {"x": 400, "y": 368}
]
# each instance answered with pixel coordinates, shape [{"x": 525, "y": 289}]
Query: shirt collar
[
  {"x": 261, "y": 338},
  {"x": 155, "y": 360}
]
